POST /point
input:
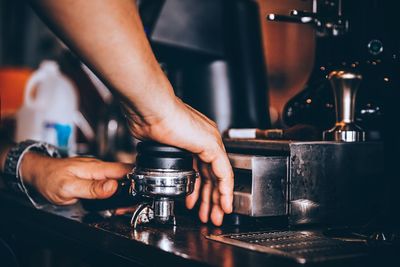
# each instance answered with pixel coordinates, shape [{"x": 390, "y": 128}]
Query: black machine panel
[{"x": 212, "y": 53}]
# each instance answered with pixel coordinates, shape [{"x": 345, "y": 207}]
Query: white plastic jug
[{"x": 49, "y": 109}]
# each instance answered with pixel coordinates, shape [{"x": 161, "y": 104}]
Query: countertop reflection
[{"x": 181, "y": 245}]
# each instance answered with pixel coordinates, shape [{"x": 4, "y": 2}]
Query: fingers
[
  {"x": 89, "y": 189},
  {"x": 210, "y": 197},
  {"x": 223, "y": 174},
  {"x": 192, "y": 198},
  {"x": 110, "y": 170},
  {"x": 206, "y": 191},
  {"x": 98, "y": 170},
  {"x": 217, "y": 180},
  {"x": 64, "y": 181},
  {"x": 217, "y": 214}
]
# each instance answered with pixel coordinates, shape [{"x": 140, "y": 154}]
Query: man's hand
[
  {"x": 184, "y": 127},
  {"x": 64, "y": 181}
]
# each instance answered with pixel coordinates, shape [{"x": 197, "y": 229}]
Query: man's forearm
[{"x": 109, "y": 37}]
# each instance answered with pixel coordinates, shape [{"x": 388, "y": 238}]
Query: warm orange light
[{"x": 12, "y": 84}]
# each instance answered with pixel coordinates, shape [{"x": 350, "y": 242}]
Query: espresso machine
[
  {"x": 335, "y": 181},
  {"x": 359, "y": 36},
  {"x": 312, "y": 201},
  {"x": 339, "y": 179}
]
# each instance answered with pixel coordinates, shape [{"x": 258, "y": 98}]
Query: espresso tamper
[
  {"x": 345, "y": 85},
  {"x": 162, "y": 174}
]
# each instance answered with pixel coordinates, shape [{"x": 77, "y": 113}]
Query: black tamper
[{"x": 162, "y": 174}]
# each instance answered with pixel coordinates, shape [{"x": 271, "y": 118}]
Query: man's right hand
[{"x": 182, "y": 126}]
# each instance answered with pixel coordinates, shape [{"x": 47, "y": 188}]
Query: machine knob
[{"x": 345, "y": 85}]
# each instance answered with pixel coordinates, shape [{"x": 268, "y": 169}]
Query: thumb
[{"x": 93, "y": 189}]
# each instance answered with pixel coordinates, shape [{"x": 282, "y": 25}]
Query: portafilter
[{"x": 162, "y": 174}]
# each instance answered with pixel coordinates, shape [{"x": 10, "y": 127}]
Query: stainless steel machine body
[
  {"x": 332, "y": 183},
  {"x": 260, "y": 185}
]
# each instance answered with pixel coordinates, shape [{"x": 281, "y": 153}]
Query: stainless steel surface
[
  {"x": 301, "y": 246},
  {"x": 260, "y": 185},
  {"x": 162, "y": 183},
  {"x": 163, "y": 210},
  {"x": 333, "y": 183},
  {"x": 162, "y": 186},
  {"x": 345, "y": 86}
]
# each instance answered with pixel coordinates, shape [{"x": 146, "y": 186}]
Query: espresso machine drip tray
[{"x": 301, "y": 246}]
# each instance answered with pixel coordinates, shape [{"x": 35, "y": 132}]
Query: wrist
[
  {"x": 24, "y": 165},
  {"x": 152, "y": 113},
  {"x": 31, "y": 165}
]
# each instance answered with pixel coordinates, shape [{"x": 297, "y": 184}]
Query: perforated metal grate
[{"x": 302, "y": 246}]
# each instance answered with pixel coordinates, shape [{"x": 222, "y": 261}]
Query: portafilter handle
[{"x": 345, "y": 86}]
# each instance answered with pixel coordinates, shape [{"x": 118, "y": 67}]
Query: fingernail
[{"x": 108, "y": 186}]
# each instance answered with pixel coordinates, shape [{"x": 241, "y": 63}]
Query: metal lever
[
  {"x": 345, "y": 86},
  {"x": 333, "y": 24},
  {"x": 292, "y": 19},
  {"x": 301, "y": 13}
]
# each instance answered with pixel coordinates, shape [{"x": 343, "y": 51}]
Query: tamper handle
[{"x": 345, "y": 86}]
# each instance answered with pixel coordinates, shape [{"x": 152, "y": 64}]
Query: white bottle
[{"x": 49, "y": 109}]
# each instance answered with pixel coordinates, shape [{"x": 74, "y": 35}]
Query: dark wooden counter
[{"x": 113, "y": 240}]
